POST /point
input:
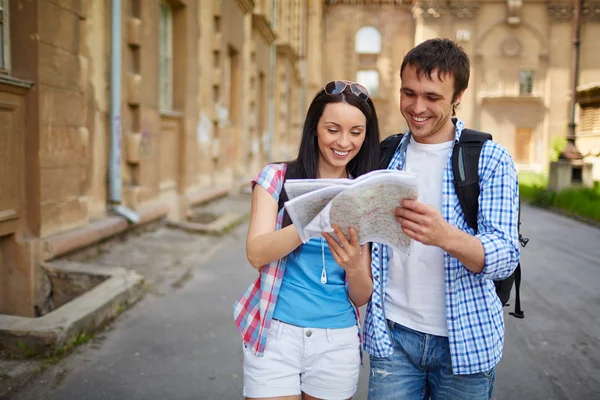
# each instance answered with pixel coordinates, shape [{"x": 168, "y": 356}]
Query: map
[{"x": 365, "y": 204}]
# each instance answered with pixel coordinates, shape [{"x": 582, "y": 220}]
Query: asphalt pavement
[{"x": 182, "y": 343}]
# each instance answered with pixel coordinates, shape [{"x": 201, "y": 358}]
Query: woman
[{"x": 299, "y": 320}]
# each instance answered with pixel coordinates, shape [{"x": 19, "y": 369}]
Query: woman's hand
[
  {"x": 346, "y": 253},
  {"x": 356, "y": 261}
]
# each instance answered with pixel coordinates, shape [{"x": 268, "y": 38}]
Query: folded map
[{"x": 365, "y": 204}]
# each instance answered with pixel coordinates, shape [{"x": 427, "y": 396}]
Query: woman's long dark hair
[{"x": 306, "y": 164}]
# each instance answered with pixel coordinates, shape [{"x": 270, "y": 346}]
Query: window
[
  {"x": 231, "y": 87},
  {"x": 368, "y": 41},
  {"x": 523, "y": 145},
  {"x": 370, "y": 80},
  {"x": 463, "y": 35},
  {"x": 589, "y": 118},
  {"x": 525, "y": 83},
  {"x": 166, "y": 57},
  {"x": 4, "y": 39}
]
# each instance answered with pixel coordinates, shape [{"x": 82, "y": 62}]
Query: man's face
[{"x": 426, "y": 104}]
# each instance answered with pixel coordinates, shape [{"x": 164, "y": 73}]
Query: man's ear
[{"x": 458, "y": 98}]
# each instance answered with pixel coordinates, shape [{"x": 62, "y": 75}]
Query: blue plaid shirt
[{"x": 473, "y": 311}]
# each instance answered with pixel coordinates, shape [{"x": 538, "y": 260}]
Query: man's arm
[
  {"x": 494, "y": 251},
  {"x": 498, "y": 213}
]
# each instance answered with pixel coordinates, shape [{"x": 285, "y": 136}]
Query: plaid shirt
[
  {"x": 473, "y": 311},
  {"x": 253, "y": 311}
]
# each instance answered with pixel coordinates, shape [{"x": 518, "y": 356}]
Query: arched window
[
  {"x": 369, "y": 79},
  {"x": 368, "y": 41}
]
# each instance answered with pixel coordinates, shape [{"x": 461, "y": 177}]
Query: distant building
[{"x": 520, "y": 54}]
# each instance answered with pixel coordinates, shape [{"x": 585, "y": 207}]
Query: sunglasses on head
[{"x": 337, "y": 87}]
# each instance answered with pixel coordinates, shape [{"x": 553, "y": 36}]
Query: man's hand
[{"x": 423, "y": 223}]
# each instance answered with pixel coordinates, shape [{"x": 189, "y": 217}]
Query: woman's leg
[
  {"x": 276, "y": 375},
  {"x": 331, "y": 363},
  {"x": 309, "y": 397}
]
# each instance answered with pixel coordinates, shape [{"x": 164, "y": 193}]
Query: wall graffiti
[{"x": 145, "y": 144}]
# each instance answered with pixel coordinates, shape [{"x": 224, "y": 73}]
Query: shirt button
[
  {"x": 378, "y": 305},
  {"x": 308, "y": 333}
]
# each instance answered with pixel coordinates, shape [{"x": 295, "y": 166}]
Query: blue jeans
[{"x": 420, "y": 368}]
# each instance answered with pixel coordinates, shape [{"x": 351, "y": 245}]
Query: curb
[
  {"x": 86, "y": 313},
  {"x": 64, "y": 243},
  {"x": 219, "y": 227}
]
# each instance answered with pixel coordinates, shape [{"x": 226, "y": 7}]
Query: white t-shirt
[{"x": 415, "y": 293}]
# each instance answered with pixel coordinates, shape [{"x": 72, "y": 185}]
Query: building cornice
[
  {"x": 434, "y": 9},
  {"x": 464, "y": 10},
  {"x": 534, "y": 98},
  {"x": 367, "y": 2},
  {"x": 591, "y": 10},
  {"x": 428, "y": 9},
  {"x": 588, "y": 94},
  {"x": 15, "y": 82},
  {"x": 562, "y": 11},
  {"x": 247, "y": 6},
  {"x": 260, "y": 22},
  {"x": 285, "y": 50}
]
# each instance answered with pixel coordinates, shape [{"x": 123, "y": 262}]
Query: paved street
[{"x": 182, "y": 343}]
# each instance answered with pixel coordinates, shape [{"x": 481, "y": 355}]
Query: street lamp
[
  {"x": 570, "y": 170},
  {"x": 570, "y": 151}
]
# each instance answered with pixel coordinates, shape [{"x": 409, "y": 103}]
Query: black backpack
[{"x": 465, "y": 164}]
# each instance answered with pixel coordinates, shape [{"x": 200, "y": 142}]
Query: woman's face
[{"x": 340, "y": 134}]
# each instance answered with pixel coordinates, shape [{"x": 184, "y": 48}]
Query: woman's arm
[
  {"x": 356, "y": 261},
  {"x": 264, "y": 244}
]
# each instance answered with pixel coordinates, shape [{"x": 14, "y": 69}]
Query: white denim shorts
[{"x": 323, "y": 363}]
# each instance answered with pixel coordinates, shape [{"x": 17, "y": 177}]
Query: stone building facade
[{"x": 211, "y": 90}]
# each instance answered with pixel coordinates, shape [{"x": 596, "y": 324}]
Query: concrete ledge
[
  {"x": 64, "y": 243},
  {"x": 220, "y": 226},
  {"x": 205, "y": 196},
  {"x": 83, "y": 314}
]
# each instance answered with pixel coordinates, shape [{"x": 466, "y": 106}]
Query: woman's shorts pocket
[{"x": 344, "y": 337}]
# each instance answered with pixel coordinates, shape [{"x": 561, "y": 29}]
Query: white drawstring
[{"x": 323, "y": 272}]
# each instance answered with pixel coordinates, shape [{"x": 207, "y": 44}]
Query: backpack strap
[
  {"x": 518, "y": 313},
  {"x": 465, "y": 165},
  {"x": 387, "y": 148},
  {"x": 283, "y": 194}
]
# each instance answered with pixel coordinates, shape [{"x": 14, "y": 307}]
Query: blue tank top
[{"x": 307, "y": 302}]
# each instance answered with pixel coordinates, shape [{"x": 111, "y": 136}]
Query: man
[{"x": 434, "y": 326}]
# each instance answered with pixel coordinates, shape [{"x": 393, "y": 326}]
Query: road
[{"x": 184, "y": 345}]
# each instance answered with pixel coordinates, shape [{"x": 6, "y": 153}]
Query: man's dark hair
[
  {"x": 306, "y": 165},
  {"x": 441, "y": 55}
]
